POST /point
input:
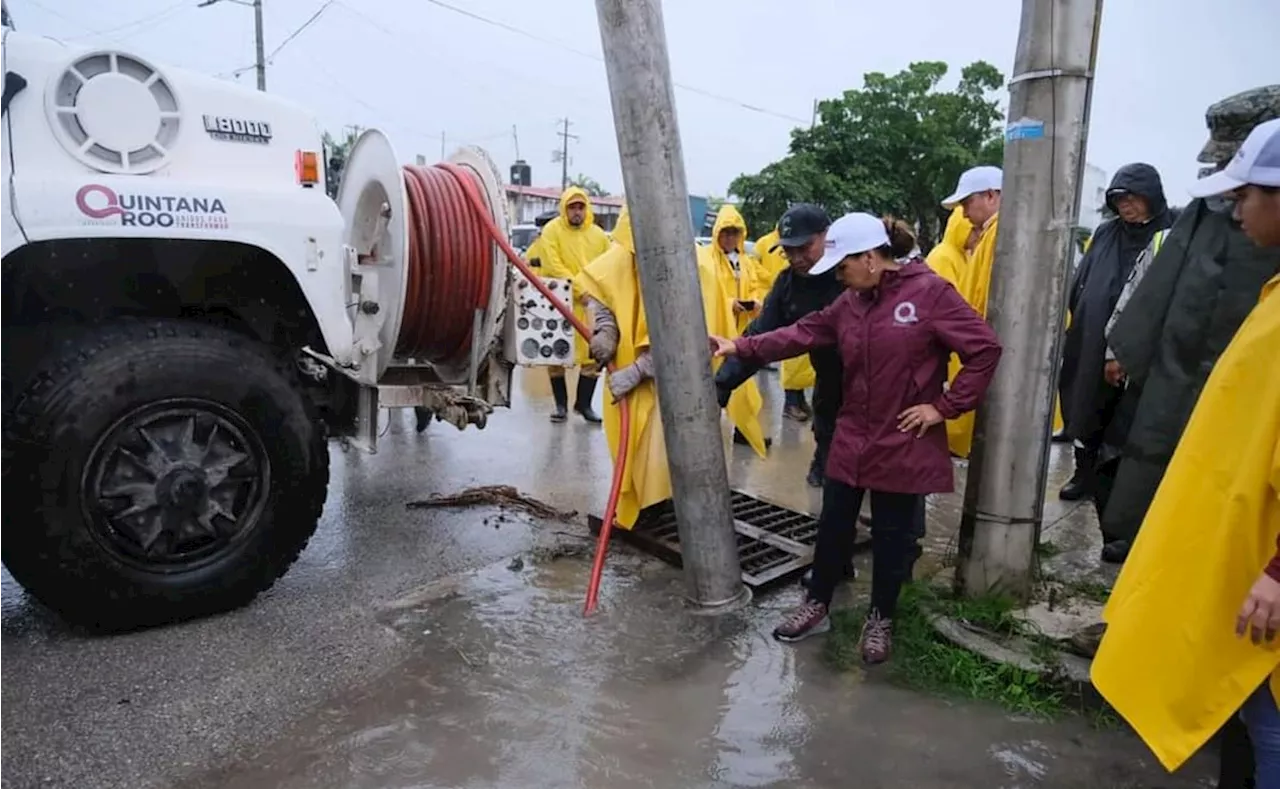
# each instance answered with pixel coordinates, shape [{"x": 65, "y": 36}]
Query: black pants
[
  {"x": 892, "y": 542},
  {"x": 1235, "y": 756},
  {"x": 1104, "y": 481},
  {"x": 824, "y": 428}
]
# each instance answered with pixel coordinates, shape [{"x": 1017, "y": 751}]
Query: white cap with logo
[
  {"x": 975, "y": 180},
  {"x": 1257, "y": 162},
  {"x": 851, "y": 234}
]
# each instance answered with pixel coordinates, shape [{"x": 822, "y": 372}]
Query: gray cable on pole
[{"x": 639, "y": 71}]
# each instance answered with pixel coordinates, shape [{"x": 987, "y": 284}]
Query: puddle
[{"x": 510, "y": 687}]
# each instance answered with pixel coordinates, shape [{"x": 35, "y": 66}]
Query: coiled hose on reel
[{"x": 450, "y": 276}]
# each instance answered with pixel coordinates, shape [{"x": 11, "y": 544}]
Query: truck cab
[{"x": 188, "y": 319}]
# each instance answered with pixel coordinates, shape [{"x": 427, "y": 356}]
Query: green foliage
[
  {"x": 895, "y": 146},
  {"x": 924, "y": 661},
  {"x": 336, "y": 153},
  {"x": 589, "y": 185}
]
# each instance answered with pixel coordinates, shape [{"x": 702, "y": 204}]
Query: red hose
[{"x": 450, "y": 274}]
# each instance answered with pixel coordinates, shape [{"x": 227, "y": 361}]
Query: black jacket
[
  {"x": 1094, "y": 291},
  {"x": 791, "y": 298}
]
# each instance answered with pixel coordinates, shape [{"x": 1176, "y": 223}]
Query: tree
[
  {"x": 589, "y": 185},
  {"x": 895, "y": 146},
  {"x": 336, "y": 154}
]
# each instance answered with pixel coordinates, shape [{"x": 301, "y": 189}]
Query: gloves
[
  {"x": 603, "y": 345},
  {"x": 621, "y": 382}
]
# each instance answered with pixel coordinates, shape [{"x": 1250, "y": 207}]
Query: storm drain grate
[{"x": 775, "y": 544}]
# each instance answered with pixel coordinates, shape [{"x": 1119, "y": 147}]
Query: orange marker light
[{"x": 307, "y": 166}]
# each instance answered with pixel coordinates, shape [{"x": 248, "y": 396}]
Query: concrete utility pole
[
  {"x": 635, "y": 54},
  {"x": 1043, "y": 163},
  {"x": 260, "y": 64}
]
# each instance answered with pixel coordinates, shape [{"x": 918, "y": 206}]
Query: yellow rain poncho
[
  {"x": 1170, "y": 661},
  {"x": 975, "y": 286},
  {"x": 950, "y": 261},
  {"x": 720, "y": 288},
  {"x": 797, "y": 372},
  {"x": 566, "y": 250},
  {"x": 612, "y": 280},
  {"x": 749, "y": 283},
  {"x": 771, "y": 263}
]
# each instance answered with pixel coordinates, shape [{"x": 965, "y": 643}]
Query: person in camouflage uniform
[{"x": 1179, "y": 317}]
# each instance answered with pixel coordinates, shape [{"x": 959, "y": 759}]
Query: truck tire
[{"x": 160, "y": 470}]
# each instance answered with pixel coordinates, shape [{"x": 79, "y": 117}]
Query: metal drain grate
[{"x": 774, "y": 543}]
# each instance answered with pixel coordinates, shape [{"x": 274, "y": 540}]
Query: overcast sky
[{"x": 416, "y": 68}]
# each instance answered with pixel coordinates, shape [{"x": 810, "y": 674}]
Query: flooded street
[{"x": 410, "y": 648}]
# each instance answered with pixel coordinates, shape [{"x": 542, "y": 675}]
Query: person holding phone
[
  {"x": 740, "y": 284},
  {"x": 894, "y": 328}
]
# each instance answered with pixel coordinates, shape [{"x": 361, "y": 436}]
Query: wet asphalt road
[
  {"x": 135, "y": 710},
  {"x": 338, "y": 676}
]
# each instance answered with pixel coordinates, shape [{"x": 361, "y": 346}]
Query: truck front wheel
[{"x": 160, "y": 471}]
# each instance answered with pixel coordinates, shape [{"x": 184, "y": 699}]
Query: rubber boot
[
  {"x": 423, "y": 416},
  {"x": 1080, "y": 485},
  {"x": 560, "y": 391},
  {"x": 582, "y": 403}
]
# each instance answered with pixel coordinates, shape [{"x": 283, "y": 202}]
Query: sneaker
[
  {"x": 796, "y": 412},
  {"x": 809, "y": 619},
  {"x": 877, "y": 639}
]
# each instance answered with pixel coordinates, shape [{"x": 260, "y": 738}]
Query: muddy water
[{"x": 510, "y": 687}]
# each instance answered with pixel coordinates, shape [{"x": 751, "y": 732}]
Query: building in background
[
  {"x": 525, "y": 203},
  {"x": 1093, "y": 196}
]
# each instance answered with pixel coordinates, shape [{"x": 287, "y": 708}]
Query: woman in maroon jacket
[{"x": 895, "y": 327}]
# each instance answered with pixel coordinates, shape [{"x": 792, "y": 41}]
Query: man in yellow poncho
[
  {"x": 977, "y": 196},
  {"x": 1192, "y": 621},
  {"x": 740, "y": 289},
  {"x": 610, "y": 285},
  {"x": 797, "y": 373},
  {"x": 567, "y": 244}
]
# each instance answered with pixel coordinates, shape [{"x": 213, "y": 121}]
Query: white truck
[{"x": 187, "y": 319}]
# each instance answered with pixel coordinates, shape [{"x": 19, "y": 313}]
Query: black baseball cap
[{"x": 800, "y": 224}]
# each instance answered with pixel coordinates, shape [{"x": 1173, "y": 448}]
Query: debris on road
[{"x": 504, "y": 496}]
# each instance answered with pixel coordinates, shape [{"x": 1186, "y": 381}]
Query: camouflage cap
[{"x": 1231, "y": 120}]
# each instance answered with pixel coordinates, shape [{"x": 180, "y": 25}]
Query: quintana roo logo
[
  {"x": 905, "y": 314},
  {"x": 106, "y": 193}
]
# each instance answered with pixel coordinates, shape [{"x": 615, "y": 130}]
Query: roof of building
[{"x": 552, "y": 193}]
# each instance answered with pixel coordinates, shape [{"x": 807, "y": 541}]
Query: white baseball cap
[
  {"x": 851, "y": 234},
  {"x": 984, "y": 178},
  {"x": 1257, "y": 162}
]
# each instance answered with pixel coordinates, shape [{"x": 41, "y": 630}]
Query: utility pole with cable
[
  {"x": 260, "y": 63},
  {"x": 635, "y": 54},
  {"x": 563, "y": 154},
  {"x": 1049, "y": 98}
]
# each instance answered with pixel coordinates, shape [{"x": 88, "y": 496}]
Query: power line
[
  {"x": 298, "y": 31},
  {"x": 599, "y": 58},
  {"x": 164, "y": 13}
]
